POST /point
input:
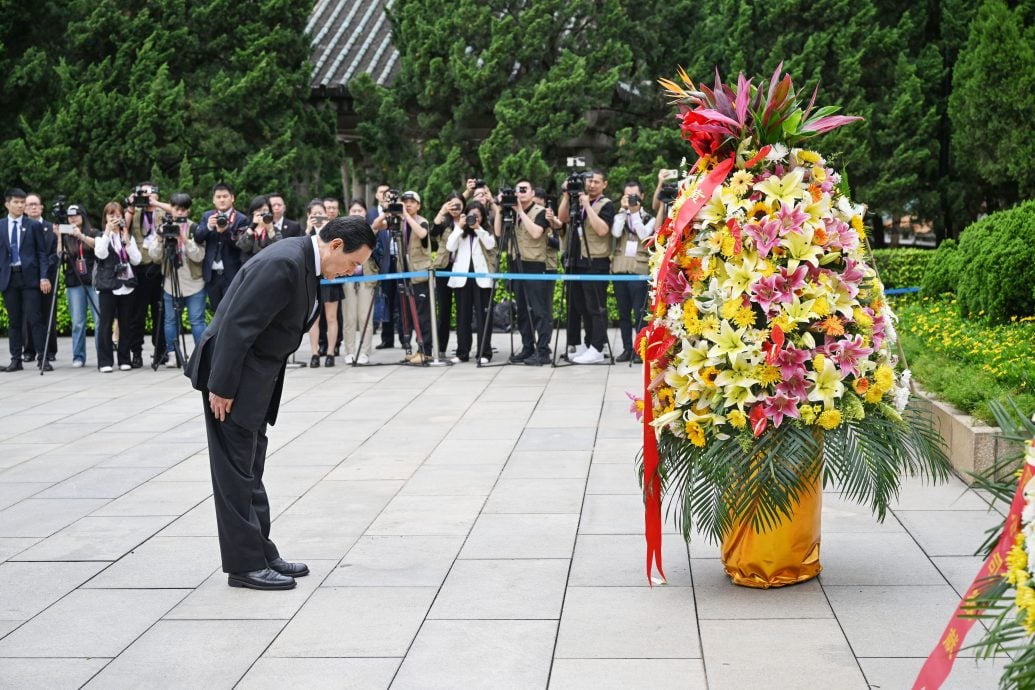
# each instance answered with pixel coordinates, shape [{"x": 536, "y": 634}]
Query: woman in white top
[
  {"x": 114, "y": 280},
  {"x": 474, "y": 249}
]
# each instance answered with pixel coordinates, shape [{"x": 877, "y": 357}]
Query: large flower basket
[{"x": 771, "y": 366}]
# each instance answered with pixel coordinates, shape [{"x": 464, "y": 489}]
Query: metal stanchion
[{"x": 435, "y": 361}]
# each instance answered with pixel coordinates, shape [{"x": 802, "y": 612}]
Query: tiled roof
[{"x": 350, "y": 37}]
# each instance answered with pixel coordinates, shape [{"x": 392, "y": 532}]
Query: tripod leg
[{"x": 50, "y": 323}]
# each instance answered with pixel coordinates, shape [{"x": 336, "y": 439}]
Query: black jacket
[
  {"x": 267, "y": 309},
  {"x": 31, "y": 249}
]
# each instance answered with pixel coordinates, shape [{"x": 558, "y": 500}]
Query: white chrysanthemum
[{"x": 777, "y": 153}]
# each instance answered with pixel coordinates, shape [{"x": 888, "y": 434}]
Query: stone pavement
[{"x": 465, "y": 528}]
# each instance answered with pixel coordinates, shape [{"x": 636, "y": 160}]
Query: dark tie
[{"x": 15, "y": 256}]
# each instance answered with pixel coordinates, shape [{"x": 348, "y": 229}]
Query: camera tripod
[
  {"x": 171, "y": 263},
  {"x": 408, "y": 303},
  {"x": 508, "y": 245}
]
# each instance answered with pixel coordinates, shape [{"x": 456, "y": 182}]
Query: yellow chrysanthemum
[
  {"x": 745, "y": 316},
  {"x": 695, "y": 433},
  {"x": 728, "y": 245},
  {"x": 862, "y": 318},
  {"x": 818, "y": 362},
  {"x": 884, "y": 378},
  {"x": 857, "y": 225},
  {"x": 729, "y": 308},
  {"x": 1017, "y": 563},
  {"x": 740, "y": 182},
  {"x": 737, "y": 419},
  {"x": 709, "y": 323},
  {"x": 809, "y": 157},
  {"x": 874, "y": 395},
  {"x": 786, "y": 323},
  {"x": 818, "y": 174},
  {"x": 808, "y": 415},
  {"x": 822, "y": 307},
  {"x": 767, "y": 375},
  {"x": 829, "y": 419}
]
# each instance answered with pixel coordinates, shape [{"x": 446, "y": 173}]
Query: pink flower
[
  {"x": 794, "y": 386},
  {"x": 765, "y": 292},
  {"x": 779, "y": 406},
  {"x": 637, "y": 406},
  {"x": 847, "y": 354},
  {"x": 790, "y": 218},
  {"x": 794, "y": 280},
  {"x": 791, "y": 361},
  {"x": 851, "y": 277},
  {"x": 677, "y": 288},
  {"x": 765, "y": 235}
]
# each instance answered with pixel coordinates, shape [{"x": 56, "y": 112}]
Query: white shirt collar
[
  {"x": 19, "y": 220},
  {"x": 316, "y": 253}
]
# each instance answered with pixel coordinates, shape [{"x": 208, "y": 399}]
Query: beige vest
[
  {"x": 418, "y": 257},
  {"x": 597, "y": 246},
  {"x": 531, "y": 249},
  {"x": 136, "y": 228},
  {"x": 620, "y": 263}
]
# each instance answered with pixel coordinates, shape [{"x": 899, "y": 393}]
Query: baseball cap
[
  {"x": 75, "y": 210},
  {"x": 410, "y": 195}
]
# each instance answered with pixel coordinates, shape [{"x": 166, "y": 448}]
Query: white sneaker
[
  {"x": 348, "y": 359},
  {"x": 483, "y": 360},
  {"x": 105, "y": 370},
  {"x": 78, "y": 364},
  {"x": 170, "y": 361},
  {"x": 576, "y": 351},
  {"x": 590, "y": 356},
  {"x": 362, "y": 359},
  {"x": 455, "y": 360},
  {"x": 124, "y": 367}
]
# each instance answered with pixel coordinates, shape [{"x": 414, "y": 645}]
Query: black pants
[
  {"x": 22, "y": 301},
  {"x": 631, "y": 296},
  {"x": 444, "y": 315},
  {"x": 591, "y": 302},
  {"x": 574, "y": 323},
  {"x": 419, "y": 295},
  {"x": 216, "y": 288},
  {"x": 113, "y": 307},
  {"x": 48, "y": 313},
  {"x": 472, "y": 302},
  {"x": 534, "y": 310},
  {"x": 237, "y": 458},
  {"x": 147, "y": 299}
]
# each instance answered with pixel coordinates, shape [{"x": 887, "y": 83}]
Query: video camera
[
  {"x": 171, "y": 228},
  {"x": 141, "y": 197},
  {"x": 669, "y": 193},
  {"x": 59, "y": 210},
  {"x": 508, "y": 197},
  {"x": 576, "y": 182}
]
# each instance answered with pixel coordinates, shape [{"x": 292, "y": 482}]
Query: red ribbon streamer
[
  {"x": 658, "y": 342},
  {"x": 939, "y": 664}
]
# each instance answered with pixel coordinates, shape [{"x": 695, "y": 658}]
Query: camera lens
[{"x": 267, "y": 217}]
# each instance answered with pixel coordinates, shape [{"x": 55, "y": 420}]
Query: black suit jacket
[
  {"x": 31, "y": 249},
  {"x": 268, "y": 307},
  {"x": 291, "y": 229},
  {"x": 50, "y": 242},
  {"x": 221, "y": 246}
]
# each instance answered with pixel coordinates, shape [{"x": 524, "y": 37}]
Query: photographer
[
  {"x": 534, "y": 297},
  {"x": 474, "y": 249},
  {"x": 358, "y": 298},
  {"x": 261, "y": 233},
  {"x": 593, "y": 242},
  {"x": 76, "y": 253},
  {"x": 114, "y": 280},
  {"x": 664, "y": 193},
  {"x": 219, "y": 230},
  {"x": 48, "y": 307},
  {"x": 448, "y": 218},
  {"x": 330, "y": 295},
  {"x": 142, "y": 222},
  {"x": 631, "y": 229},
  {"x": 180, "y": 259},
  {"x": 416, "y": 248}
]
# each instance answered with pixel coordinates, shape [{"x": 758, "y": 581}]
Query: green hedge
[
  {"x": 902, "y": 267},
  {"x": 992, "y": 270}
]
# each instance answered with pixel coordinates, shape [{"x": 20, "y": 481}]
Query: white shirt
[
  {"x": 316, "y": 253},
  {"x": 20, "y": 220},
  {"x": 623, "y": 219},
  {"x": 466, "y": 255},
  {"x": 114, "y": 242}
]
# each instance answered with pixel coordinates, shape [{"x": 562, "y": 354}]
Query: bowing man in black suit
[
  {"x": 23, "y": 275},
  {"x": 239, "y": 368}
]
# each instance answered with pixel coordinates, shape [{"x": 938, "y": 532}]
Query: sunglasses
[{"x": 522, "y": 189}]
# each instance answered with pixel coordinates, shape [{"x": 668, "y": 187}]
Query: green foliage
[
  {"x": 997, "y": 278},
  {"x": 902, "y": 267},
  {"x": 967, "y": 364},
  {"x": 943, "y": 270},
  {"x": 130, "y": 91}
]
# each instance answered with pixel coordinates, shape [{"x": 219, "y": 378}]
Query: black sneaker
[
  {"x": 538, "y": 360},
  {"x": 521, "y": 356},
  {"x": 624, "y": 357},
  {"x": 137, "y": 362}
]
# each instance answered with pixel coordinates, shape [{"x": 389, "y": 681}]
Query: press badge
[{"x": 631, "y": 247}]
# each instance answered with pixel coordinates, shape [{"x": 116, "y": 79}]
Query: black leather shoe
[
  {"x": 521, "y": 356},
  {"x": 538, "y": 360},
  {"x": 329, "y": 361},
  {"x": 624, "y": 357},
  {"x": 289, "y": 569},
  {"x": 137, "y": 362},
  {"x": 261, "y": 579},
  {"x": 28, "y": 356},
  {"x": 44, "y": 365},
  {"x": 637, "y": 360},
  {"x": 314, "y": 362},
  {"x": 51, "y": 357},
  {"x": 15, "y": 365},
  {"x": 384, "y": 346}
]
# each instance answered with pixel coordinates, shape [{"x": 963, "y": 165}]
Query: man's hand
[
  {"x": 45, "y": 286},
  {"x": 220, "y": 406}
]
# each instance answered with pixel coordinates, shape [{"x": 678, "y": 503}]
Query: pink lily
[
  {"x": 791, "y": 360},
  {"x": 765, "y": 235},
  {"x": 637, "y": 406},
  {"x": 677, "y": 288},
  {"x": 851, "y": 277},
  {"x": 791, "y": 219},
  {"x": 847, "y": 354},
  {"x": 779, "y": 406},
  {"x": 794, "y": 280},
  {"x": 794, "y": 386},
  {"x": 765, "y": 292}
]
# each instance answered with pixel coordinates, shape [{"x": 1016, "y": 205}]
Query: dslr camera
[
  {"x": 222, "y": 220},
  {"x": 634, "y": 200},
  {"x": 471, "y": 220},
  {"x": 267, "y": 217},
  {"x": 142, "y": 196},
  {"x": 478, "y": 184}
]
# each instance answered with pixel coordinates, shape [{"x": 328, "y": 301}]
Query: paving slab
[
  {"x": 397, "y": 561},
  {"x": 503, "y": 589},
  {"x": 273, "y": 673},
  {"x": 522, "y": 536},
  {"x": 622, "y": 674},
  {"x": 46, "y": 674}
]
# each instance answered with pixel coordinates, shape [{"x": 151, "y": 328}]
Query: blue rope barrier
[
  {"x": 901, "y": 291},
  {"x": 621, "y": 277}
]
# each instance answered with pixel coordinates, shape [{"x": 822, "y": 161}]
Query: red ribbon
[
  {"x": 658, "y": 343},
  {"x": 939, "y": 664}
]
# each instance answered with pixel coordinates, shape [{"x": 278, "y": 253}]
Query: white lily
[
  {"x": 728, "y": 341},
  {"x": 782, "y": 190}
]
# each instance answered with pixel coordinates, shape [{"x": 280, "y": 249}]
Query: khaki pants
[{"x": 358, "y": 298}]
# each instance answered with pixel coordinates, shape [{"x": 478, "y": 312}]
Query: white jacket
[{"x": 462, "y": 246}]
